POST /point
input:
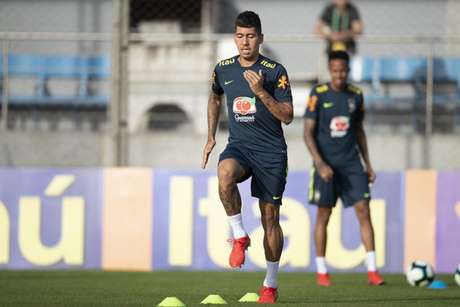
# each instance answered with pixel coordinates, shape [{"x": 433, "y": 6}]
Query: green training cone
[
  {"x": 249, "y": 298},
  {"x": 213, "y": 299},
  {"x": 171, "y": 302}
]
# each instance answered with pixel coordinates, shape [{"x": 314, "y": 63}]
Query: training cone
[
  {"x": 171, "y": 302},
  {"x": 437, "y": 284},
  {"x": 213, "y": 299},
  {"x": 249, "y": 298}
]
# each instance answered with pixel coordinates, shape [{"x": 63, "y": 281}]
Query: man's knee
[
  {"x": 362, "y": 211},
  {"x": 322, "y": 216},
  {"x": 227, "y": 177},
  {"x": 269, "y": 215}
]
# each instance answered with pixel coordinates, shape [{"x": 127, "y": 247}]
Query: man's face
[
  {"x": 339, "y": 72},
  {"x": 340, "y": 3},
  {"x": 247, "y": 41}
]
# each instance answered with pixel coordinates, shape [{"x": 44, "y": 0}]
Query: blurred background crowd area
[{"x": 118, "y": 82}]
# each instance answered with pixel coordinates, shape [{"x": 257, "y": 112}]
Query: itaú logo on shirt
[
  {"x": 339, "y": 126},
  {"x": 244, "y": 105}
]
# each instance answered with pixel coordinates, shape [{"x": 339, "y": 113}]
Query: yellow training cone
[
  {"x": 249, "y": 298},
  {"x": 213, "y": 299},
  {"x": 171, "y": 302}
]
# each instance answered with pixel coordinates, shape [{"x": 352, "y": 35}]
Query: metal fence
[{"x": 160, "y": 54}]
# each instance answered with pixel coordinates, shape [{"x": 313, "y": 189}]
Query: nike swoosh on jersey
[
  {"x": 228, "y": 82},
  {"x": 328, "y": 105}
]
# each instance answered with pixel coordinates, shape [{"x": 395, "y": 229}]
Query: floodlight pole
[{"x": 118, "y": 108}]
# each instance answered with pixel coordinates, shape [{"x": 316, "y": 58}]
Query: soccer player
[
  {"x": 258, "y": 100},
  {"x": 340, "y": 23},
  {"x": 335, "y": 137}
]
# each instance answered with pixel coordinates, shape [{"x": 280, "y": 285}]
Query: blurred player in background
[
  {"x": 335, "y": 137},
  {"x": 339, "y": 24},
  {"x": 258, "y": 100}
]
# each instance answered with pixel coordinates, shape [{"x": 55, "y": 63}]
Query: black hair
[
  {"x": 249, "y": 19},
  {"x": 339, "y": 55}
]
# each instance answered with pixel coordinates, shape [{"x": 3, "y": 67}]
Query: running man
[
  {"x": 335, "y": 137},
  {"x": 258, "y": 100}
]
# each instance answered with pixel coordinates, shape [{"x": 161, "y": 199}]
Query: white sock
[
  {"x": 271, "y": 278},
  {"x": 371, "y": 263},
  {"x": 236, "y": 222},
  {"x": 321, "y": 265}
]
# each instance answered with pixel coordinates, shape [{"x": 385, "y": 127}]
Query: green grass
[{"x": 92, "y": 288}]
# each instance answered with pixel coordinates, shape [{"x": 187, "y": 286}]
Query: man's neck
[
  {"x": 338, "y": 88},
  {"x": 248, "y": 62}
]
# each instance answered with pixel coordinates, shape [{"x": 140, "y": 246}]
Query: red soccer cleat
[
  {"x": 323, "y": 279},
  {"x": 374, "y": 278},
  {"x": 268, "y": 295},
  {"x": 237, "y": 255}
]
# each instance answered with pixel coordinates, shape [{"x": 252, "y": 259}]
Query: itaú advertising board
[{"x": 144, "y": 219}]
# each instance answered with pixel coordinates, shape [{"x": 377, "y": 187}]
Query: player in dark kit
[
  {"x": 258, "y": 100},
  {"x": 335, "y": 137}
]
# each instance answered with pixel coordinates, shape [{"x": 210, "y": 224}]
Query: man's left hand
[
  {"x": 255, "y": 81},
  {"x": 371, "y": 175}
]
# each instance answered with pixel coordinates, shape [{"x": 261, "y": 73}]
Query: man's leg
[
  {"x": 230, "y": 172},
  {"x": 273, "y": 246},
  {"x": 367, "y": 236},
  {"x": 322, "y": 219},
  {"x": 273, "y": 234}
]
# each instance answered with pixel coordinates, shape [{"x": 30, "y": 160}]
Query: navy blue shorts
[
  {"x": 267, "y": 171},
  {"x": 350, "y": 183}
]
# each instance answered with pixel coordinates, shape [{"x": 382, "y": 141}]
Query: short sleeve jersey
[
  {"x": 336, "y": 115},
  {"x": 251, "y": 124},
  {"x": 339, "y": 21}
]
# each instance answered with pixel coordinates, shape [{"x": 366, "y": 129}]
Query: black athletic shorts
[
  {"x": 349, "y": 182},
  {"x": 268, "y": 171}
]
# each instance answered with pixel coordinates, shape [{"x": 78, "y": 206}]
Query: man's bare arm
[
  {"x": 362, "y": 144},
  {"x": 308, "y": 135},
  {"x": 214, "y": 103},
  {"x": 325, "y": 31},
  {"x": 281, "y": 110}
]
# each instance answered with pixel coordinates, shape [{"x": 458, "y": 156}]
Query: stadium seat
[
  {"x": 43, "y": 68},
  {"x": 399, "y": 70},
  {"x": 363, "y": 69}
]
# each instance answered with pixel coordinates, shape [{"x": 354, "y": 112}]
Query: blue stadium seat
[
  {"x": 363, "y": 69},
  {"x": 447, "y": 69},
  {"x": 401, "y": 69},
  {"x": 44, "y": 67}
]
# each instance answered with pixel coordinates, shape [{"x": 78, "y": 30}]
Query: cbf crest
[{"x": 351, "y": 105}]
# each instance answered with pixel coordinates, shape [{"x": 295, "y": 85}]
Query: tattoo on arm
[
  {"x": 214, "y": 103},
  {"x": 281, "y": 110}
]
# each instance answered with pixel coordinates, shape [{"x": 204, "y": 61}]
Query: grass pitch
[{"x": 93, "y": 288}]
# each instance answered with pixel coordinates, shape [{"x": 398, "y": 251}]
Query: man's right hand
[
  {"x": 325, "y": 171},
  {"x": 206, "y": 152}
]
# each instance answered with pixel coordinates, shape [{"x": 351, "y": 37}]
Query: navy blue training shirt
[
  {"x": 336, "y": 115},
  {"x": 251, "y": 125}
]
